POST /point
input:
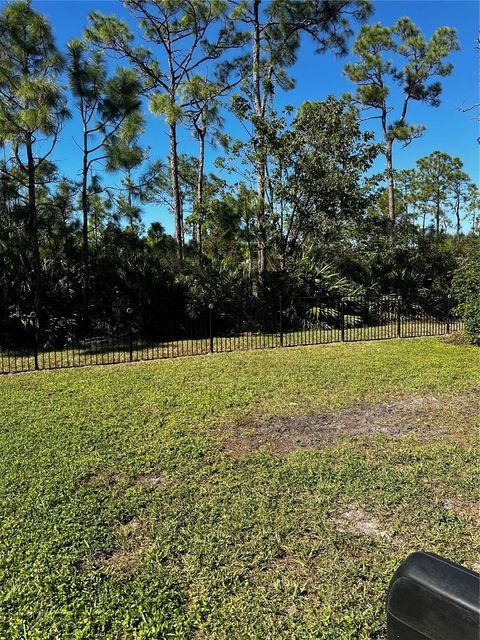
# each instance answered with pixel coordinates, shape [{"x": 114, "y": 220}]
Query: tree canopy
[{"x": 290, "y": 207}]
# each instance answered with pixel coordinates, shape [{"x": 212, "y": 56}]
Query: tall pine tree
[{"x": 32, "y": 111}]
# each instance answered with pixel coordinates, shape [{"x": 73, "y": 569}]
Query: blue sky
[{"x": 448, "y": 129}]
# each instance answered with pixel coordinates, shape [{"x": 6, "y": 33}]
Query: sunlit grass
[{"x": 123, "y": 516}]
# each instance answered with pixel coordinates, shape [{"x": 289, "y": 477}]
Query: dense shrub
[{"x": 466, "y": 288}]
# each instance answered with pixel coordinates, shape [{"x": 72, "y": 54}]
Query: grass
[{"x": 123, "y": 515}]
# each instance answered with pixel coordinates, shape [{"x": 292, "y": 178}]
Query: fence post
[
  {"x": 280, "y": 327},
  {"x": 399, "y": 324},
  {"x": 33, "y": 317},
  {"x": 449, "y": 298},
  {"x": 130, "y": 334},
  {"x": 210, "y": 325},
  {"x": 342, "y": 312}
]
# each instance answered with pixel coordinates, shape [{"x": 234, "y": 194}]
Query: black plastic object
[{"x": 431, "y": 598}]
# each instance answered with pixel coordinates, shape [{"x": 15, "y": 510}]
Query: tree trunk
[
  {"x": 284, "y": 243},
  {"x": 391, "y": 186},
  {"x": 249, "y": 249},
  {"x": 262, "y": 259},
  {"x": 437, "y": 216},
  {"x": 5, "y": 293},
  {"x": 200, "y": 183},
  {"x": 457, "y": 213},
  {"x": 181, "y": 222},
  {"x": 130, "y": 200},
  {"x": 176, "y": 198},
  {"x": 283, "y": 240},
  {"x": 33, "y": 224},
  {"x": 260, "y": 162},
  {"x": 85, "y": 252}
]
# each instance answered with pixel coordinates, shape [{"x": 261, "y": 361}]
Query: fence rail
[{"x": 230, "y": 326}]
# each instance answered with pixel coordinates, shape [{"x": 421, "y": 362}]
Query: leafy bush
[{"x": 466, "y": 288}]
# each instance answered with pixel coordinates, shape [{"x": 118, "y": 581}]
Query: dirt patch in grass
[
  {"x": 288, "y": 563},
  {"x": 133, "y": 543},
  {"x": 354, "y": 519},
  {"x": 462, "y": 508},
  {"x": 152, "y": 480},
  {"x": 283, "y": 434},
  {"x": 134, "y": 539},
  {"x": 100, "y": 477}
]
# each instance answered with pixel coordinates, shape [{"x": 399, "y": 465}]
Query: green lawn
[{"x": 130, "y": 507}]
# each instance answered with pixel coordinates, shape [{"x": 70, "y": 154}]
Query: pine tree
[
  {"x": 178, "y": 35},
  {"x": 202, "y": 106},
  {"x": 32, "y": 110},
  {"x": 103, "y": 104},
  {"x": 377, "y": 49},
  {"x": 125, "y": 154}
]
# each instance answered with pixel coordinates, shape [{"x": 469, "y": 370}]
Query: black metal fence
[{"x": 124, "y": 336}]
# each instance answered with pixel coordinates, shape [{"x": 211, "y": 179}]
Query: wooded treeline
[{"x": 293, "y": 208}]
